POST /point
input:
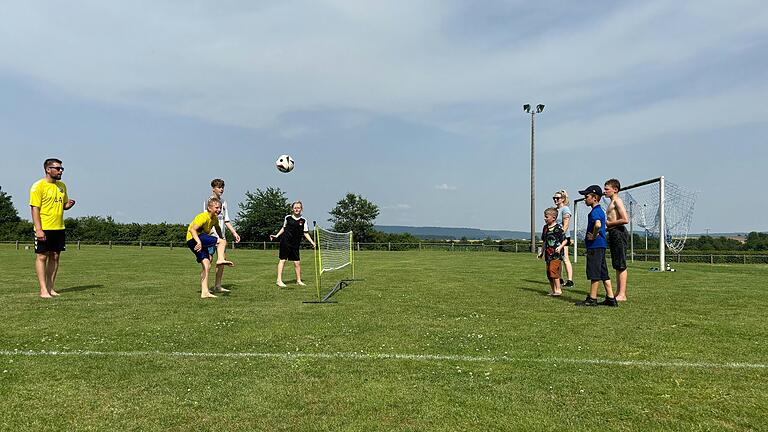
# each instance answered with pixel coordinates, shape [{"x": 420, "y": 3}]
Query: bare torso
[{"x": 615, "y": 211}]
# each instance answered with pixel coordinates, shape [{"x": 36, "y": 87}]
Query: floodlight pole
[{"x": 527, "y": 108}]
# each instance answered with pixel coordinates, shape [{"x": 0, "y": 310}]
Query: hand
[
  {"x": 557, "y": 249},
  {"x": 313, "y": 245},
  {"x": 70, "y": 204},
  {"x": 40, "y": 235},
  {"x": 198, "y": 247},
  {"x": 590, "y": 236},
  {"x": 271, "y": 237},
  {"x": 237, "y": 238}
]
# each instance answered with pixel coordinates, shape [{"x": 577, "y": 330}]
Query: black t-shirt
[{"x": 293, "y": 230}]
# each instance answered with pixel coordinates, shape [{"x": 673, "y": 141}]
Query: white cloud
[
  {"x": 445, "y": 187},
  {"x": 245, "y": 63}
]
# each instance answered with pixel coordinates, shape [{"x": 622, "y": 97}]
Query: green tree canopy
[
  {"x": 261, "y": 214},
  {"x": 357, "y": 214},
  {"x": 8, "y": 212}
]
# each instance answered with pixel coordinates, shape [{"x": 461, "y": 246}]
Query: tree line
[{"x": 262, "y": 213}]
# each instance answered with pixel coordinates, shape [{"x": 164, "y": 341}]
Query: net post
[
  {"x": 317, "y": 259},
  {"x": 662, "y": 227},
  {"x": 352, "y": 253}
]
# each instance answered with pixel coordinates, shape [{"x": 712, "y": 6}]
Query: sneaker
[
  {"x": 610, "y": 301},
  {"x": 569, "y": 284},
  {"x": 589, "y": 301},
  {"x": 562, "y": 281}
]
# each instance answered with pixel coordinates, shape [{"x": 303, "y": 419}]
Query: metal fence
[{"x": 519, "y": 247}]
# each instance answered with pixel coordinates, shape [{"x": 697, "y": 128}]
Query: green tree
[
  {"x": 357, "y": 214},
  {"x": 261, "y": 214},
  {"x": 8, "y": 212}
]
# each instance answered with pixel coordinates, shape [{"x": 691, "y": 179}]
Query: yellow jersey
[
  {"x": 50, "y": 198},
  {"x": 204, "y": 222}
]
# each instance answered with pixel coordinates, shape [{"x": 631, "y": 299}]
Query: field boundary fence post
[
  {"x": 78, "y": 245},
  {"x": 17, "y": 245},
  {"x": 141, "y": 245}
]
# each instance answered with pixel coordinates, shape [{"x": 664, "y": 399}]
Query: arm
[
  {"x": 309, "y": 239},
  {"x": 232, "y": 230},
  {"x": 543, "y": 233},
  {"x": 595, "y": 230},
  {"x": 39, "y": 233},
  {"x": 566, "y": 221},
  {"x": 279, "y": 233},
  {"x": 193, "y": 230}
]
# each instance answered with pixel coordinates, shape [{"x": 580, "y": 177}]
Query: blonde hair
[
  {"x": 213, "y": 200},
  {"x": 564, "y": 194},
  {"x": 551, "y": 211}
]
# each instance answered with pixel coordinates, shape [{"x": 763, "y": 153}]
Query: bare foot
[
  {"x": 622, "y": 298},
  {"x": 207, "y": 295},
  {"x": 300, "y": 283},
  {"x": 281, "y": 284},
  {"x": 45, "y": 295},
  {"x": 225, "y": 263},
  {"x": 220, "y": 290},
  {"x": 54, "y": 293}
]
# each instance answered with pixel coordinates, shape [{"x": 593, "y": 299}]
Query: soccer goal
[
  {"x": 656, "y": 208},
  {"x": 334, "y": 252}
]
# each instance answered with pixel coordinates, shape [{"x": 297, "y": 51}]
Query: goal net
[
  {"x": 660, "y": 215},
  {"x": 333, "y": 253}
]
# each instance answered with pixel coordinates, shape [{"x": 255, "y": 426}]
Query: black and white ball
[{"x": 284, "y": 163}]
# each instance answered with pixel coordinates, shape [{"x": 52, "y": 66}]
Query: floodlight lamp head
[
  {"x": 539, "y": 108},
  {"x": 527, "y": 108}
]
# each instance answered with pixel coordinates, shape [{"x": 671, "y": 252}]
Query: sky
[{"x": 415, "y": 105}]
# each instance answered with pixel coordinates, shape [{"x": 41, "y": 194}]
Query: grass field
[{"x": 429, "y": 341}]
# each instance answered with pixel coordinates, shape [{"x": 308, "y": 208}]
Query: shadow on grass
[
  {"x": 79, "y": 288},
  {"x": 567, "y": 296}
]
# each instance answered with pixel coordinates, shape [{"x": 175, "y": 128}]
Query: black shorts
[
  {"x": 55, "y": 241},
  {"x": 618, "y": 239},
  {"x": 289, "y": 252},
  {"x": 596, "y": 267}
]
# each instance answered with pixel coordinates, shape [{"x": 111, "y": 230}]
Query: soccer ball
[{"x": 284, "y": 163}]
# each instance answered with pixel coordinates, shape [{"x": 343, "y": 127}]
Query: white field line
[{"x": 384, "y": 356}]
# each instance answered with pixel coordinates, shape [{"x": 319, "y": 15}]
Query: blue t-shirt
[
  {"x": 560, "y": 212},
  {"x": 600, "y": 242}
]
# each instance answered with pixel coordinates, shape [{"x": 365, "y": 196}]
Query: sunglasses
[
  {"x": 556, "y": 198},
  {"x": 57, "y": 168}
]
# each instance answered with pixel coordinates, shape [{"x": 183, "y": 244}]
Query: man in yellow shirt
[
  {"x": 198, "y": 241},
  {"x": 48, "y": 199}
]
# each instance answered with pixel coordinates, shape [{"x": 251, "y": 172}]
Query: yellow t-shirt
[
  {"x": 204, "y": 221},
  {"x": 50, "y": 198}
]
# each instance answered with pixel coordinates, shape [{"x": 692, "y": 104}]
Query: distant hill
[{"x": 442, "y": 233}]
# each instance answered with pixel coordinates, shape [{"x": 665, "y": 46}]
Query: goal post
[
  {"x": 662, "y": 209},
  {"x": 333, "y": 252}
]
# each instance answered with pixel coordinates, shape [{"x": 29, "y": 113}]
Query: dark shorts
[
  {"x": 618, "y": 239},
  {"x": 55, "y": 241},
  {"x": 289, "y": 252},
  {"x": 207, "y": 241},
  {"x": 553, "y": 269},
  {"x": 596, "y": 267}
]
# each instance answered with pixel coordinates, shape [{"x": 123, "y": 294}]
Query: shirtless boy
[{"x": 618, "y": 236}]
